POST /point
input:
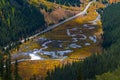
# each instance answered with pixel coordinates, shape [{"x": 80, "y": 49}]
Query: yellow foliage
[{"x": 39, "y": 68}]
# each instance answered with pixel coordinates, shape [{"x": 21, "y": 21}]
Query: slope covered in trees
[
  {"x": 67, "y": 2},
  {"x": 18, "y": 20},
  {"x": 7, "y": 70},
  {"x": 110, "y": 75},
  {"x": 97, "y": 64}
]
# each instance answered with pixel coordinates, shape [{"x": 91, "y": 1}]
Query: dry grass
[
  {"x": 52, "y": 11},
  {"x": 38, "y": 68},
  {"x": 26, "y": 47}
]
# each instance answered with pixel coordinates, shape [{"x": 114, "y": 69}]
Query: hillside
[
  {"x": 110, "y": 75},
  {"x": 55, "y": 12},
  {"x": 67, "y": 2},
  {"x": 18, "y": 20}
]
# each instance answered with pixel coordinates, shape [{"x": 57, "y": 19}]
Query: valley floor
[{"x": 72, "y": 41}]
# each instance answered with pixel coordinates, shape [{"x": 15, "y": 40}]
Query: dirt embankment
[{"x": 54, "y": 12}]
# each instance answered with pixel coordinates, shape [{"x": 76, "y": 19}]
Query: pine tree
[
  {"x": 16, "y": 74},
  {"x": 1, "y": 65}
]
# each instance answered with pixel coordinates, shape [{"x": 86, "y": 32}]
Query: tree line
[
  {"x": 67, "y": 2},
  {"x": 7, "y": 70},
  {"x": 18, "y": 20}
]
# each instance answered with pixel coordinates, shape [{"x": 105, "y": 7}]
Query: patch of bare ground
[{"x": 58, "y": 15}]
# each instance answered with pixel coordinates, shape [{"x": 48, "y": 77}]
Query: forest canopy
[
  {"x": 67, "y": 2},
  {"x": 18, "y": 20}
]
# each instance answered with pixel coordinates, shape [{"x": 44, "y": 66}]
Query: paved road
[{"x": 62, "y": 22}]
